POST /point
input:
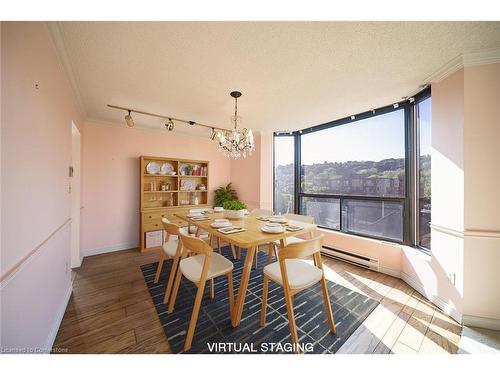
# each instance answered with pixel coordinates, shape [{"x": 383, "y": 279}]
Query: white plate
[
  {"x": 166, "y": 168},
  {"x": 221, "y": 220},
  {"x": 278, "y": 219},
  {"x": 153, "y": 167},
  {"x": 187, "y": 185},
  {"x": 272, "y": 230},
  {"x": 221, "y": 225},
  {"x": 218, "y": 209}
]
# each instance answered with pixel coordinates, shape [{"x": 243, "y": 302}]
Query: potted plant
[
  {"x": 189, "y": 169},
  {"x": 234, "y": 209},
  {"x": 224, "y": 193}
]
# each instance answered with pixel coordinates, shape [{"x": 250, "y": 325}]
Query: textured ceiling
[{"x": 292, "y": 74}]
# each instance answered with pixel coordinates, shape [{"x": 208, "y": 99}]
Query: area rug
[{"x": 214, "y": 333}]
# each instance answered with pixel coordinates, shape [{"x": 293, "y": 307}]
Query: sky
[{"x": 374, "y": 139}]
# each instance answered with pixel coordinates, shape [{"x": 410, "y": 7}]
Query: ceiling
[{"x": 292, "y": 74}]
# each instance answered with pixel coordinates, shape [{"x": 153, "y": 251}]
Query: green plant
[
  {"x": 234, "y": 205},
  {"x": 224, "y": 193},
  {"x": 189, "y": 169}
]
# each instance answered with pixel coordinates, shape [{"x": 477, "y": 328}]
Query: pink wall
[
  {"x": 482, "y": 199},
  {"x": 36, "y": 153},
  {"x": 245, "y": 176},
  {"x": 110, "y": 217}
]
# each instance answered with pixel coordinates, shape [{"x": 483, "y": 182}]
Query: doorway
[{"x": 76, "y": 259}]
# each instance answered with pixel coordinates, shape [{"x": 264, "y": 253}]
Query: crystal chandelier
[{"x": 236, "y": 143}]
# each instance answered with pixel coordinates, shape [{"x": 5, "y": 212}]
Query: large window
[
  {"x": 284, "y": 174},
  {"x": 424, "y": 122},
  {"x": 367, "y": 175},
  {"x": 365, "y": 157}
]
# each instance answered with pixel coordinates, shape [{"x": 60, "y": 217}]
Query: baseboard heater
[{"x": 351, "y": 258}]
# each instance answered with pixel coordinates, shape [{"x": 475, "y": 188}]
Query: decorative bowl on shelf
[{"x": 172, "y": 173}]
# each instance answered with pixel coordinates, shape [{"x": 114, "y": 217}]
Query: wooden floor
[{"x": 110, "y": 311}]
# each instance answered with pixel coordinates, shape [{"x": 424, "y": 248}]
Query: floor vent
[{"x": 351, "y": 258}]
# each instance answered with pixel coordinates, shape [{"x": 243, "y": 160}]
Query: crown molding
[
  {"x": 62, "y": 54},
  {"x": 485, "y": 57}
]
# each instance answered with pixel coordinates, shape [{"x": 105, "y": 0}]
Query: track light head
[
  {"x": 129, "y": 120},
  {"x": 213, "y": 135},
  {"x": 170, "y": 125}
]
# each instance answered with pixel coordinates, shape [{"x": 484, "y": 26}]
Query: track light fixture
[
  {"x": 129, "y": 120},
  {"x": 213, "y": 135},
  {"x": 170, "y": 125}
]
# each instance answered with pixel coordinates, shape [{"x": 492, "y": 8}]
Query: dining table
[{"x": 250, "y": 238}]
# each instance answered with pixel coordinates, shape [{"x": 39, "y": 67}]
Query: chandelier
[{"x": 236, "y": 143}]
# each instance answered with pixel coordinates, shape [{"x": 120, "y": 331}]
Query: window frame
[
  {"x": 420, "y": 97},
  {"x": 410, "y": 212},
  {"x": 287, "y": 134}
]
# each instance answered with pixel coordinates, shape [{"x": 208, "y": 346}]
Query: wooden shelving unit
[{"x": 156, "y": 204}]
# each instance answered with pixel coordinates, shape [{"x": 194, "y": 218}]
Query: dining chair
[
  {"x": 171, "y": 249},
  {"x": 205, "y": 265},
  {"x": 294, "y": 274},
  {"x": 294, "y": 239}
]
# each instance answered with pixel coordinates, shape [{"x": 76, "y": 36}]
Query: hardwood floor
[{"x": 110, "y": 311}]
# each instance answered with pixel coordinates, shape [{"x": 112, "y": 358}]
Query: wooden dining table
[{"x": 251, "y": 238}]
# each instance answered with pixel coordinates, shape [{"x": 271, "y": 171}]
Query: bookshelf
[{"x": 163, "y": 194}]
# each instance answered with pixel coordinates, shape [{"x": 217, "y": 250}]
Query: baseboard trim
[
  {"x": 109, "y": 249},
  {"x": 59, "y": 317},
  {"x": 389, "y": 271},
  {"x": 481, "y": 322},
  {"x": 438, "y": 301}
]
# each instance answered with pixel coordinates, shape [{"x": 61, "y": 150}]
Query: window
[
  {"x": 365, "y": 157},
  {"x": 367, "y": 175},
  {"x": 326, "y": 211},
  {"x": 424, "y": 123},
  {"x": 284, "y": 175},
  {"x": 376, "y": 219},
  {"x": 356, "y": 159}
]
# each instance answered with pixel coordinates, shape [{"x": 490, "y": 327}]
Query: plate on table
[
  {"x": 153, "y": 167},
  {"x": 166, "y": 168},
  {"x": 221, "y": 224},
  {"x": 272, "y": 229},
  {"x": 278, "y": 219}
]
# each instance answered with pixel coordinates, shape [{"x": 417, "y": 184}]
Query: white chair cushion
[
  {"x": 301, "y": 273},
  {"x": 289, "y": 240},
  {"x": 191, "y": 267},
  {"x": 170, "y": 247}
]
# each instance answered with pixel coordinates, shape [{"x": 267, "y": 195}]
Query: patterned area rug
[{"x": 214, "y": 333}]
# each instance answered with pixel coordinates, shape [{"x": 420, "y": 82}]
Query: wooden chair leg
[
  {"x": 270, "y": 253},
  {"x": 212, "y": 289},
  {"x": 328, "y": 307},
  {"x": 265, "y": 290},
  {"x": 171, "y": 305},
  {"x": 233, "y": 252},
  {"x": 231, "y": 292},
  {"x": 218, "y": 244},
  {"x": 160, "y": 265},
  {"x": 194, "y": 316},
  {"x": 291, "y": 316},
  {"x": 239, "y": 252},
  {"x": 171, "y": 278},
  {"x": 255, "y": 260}
]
